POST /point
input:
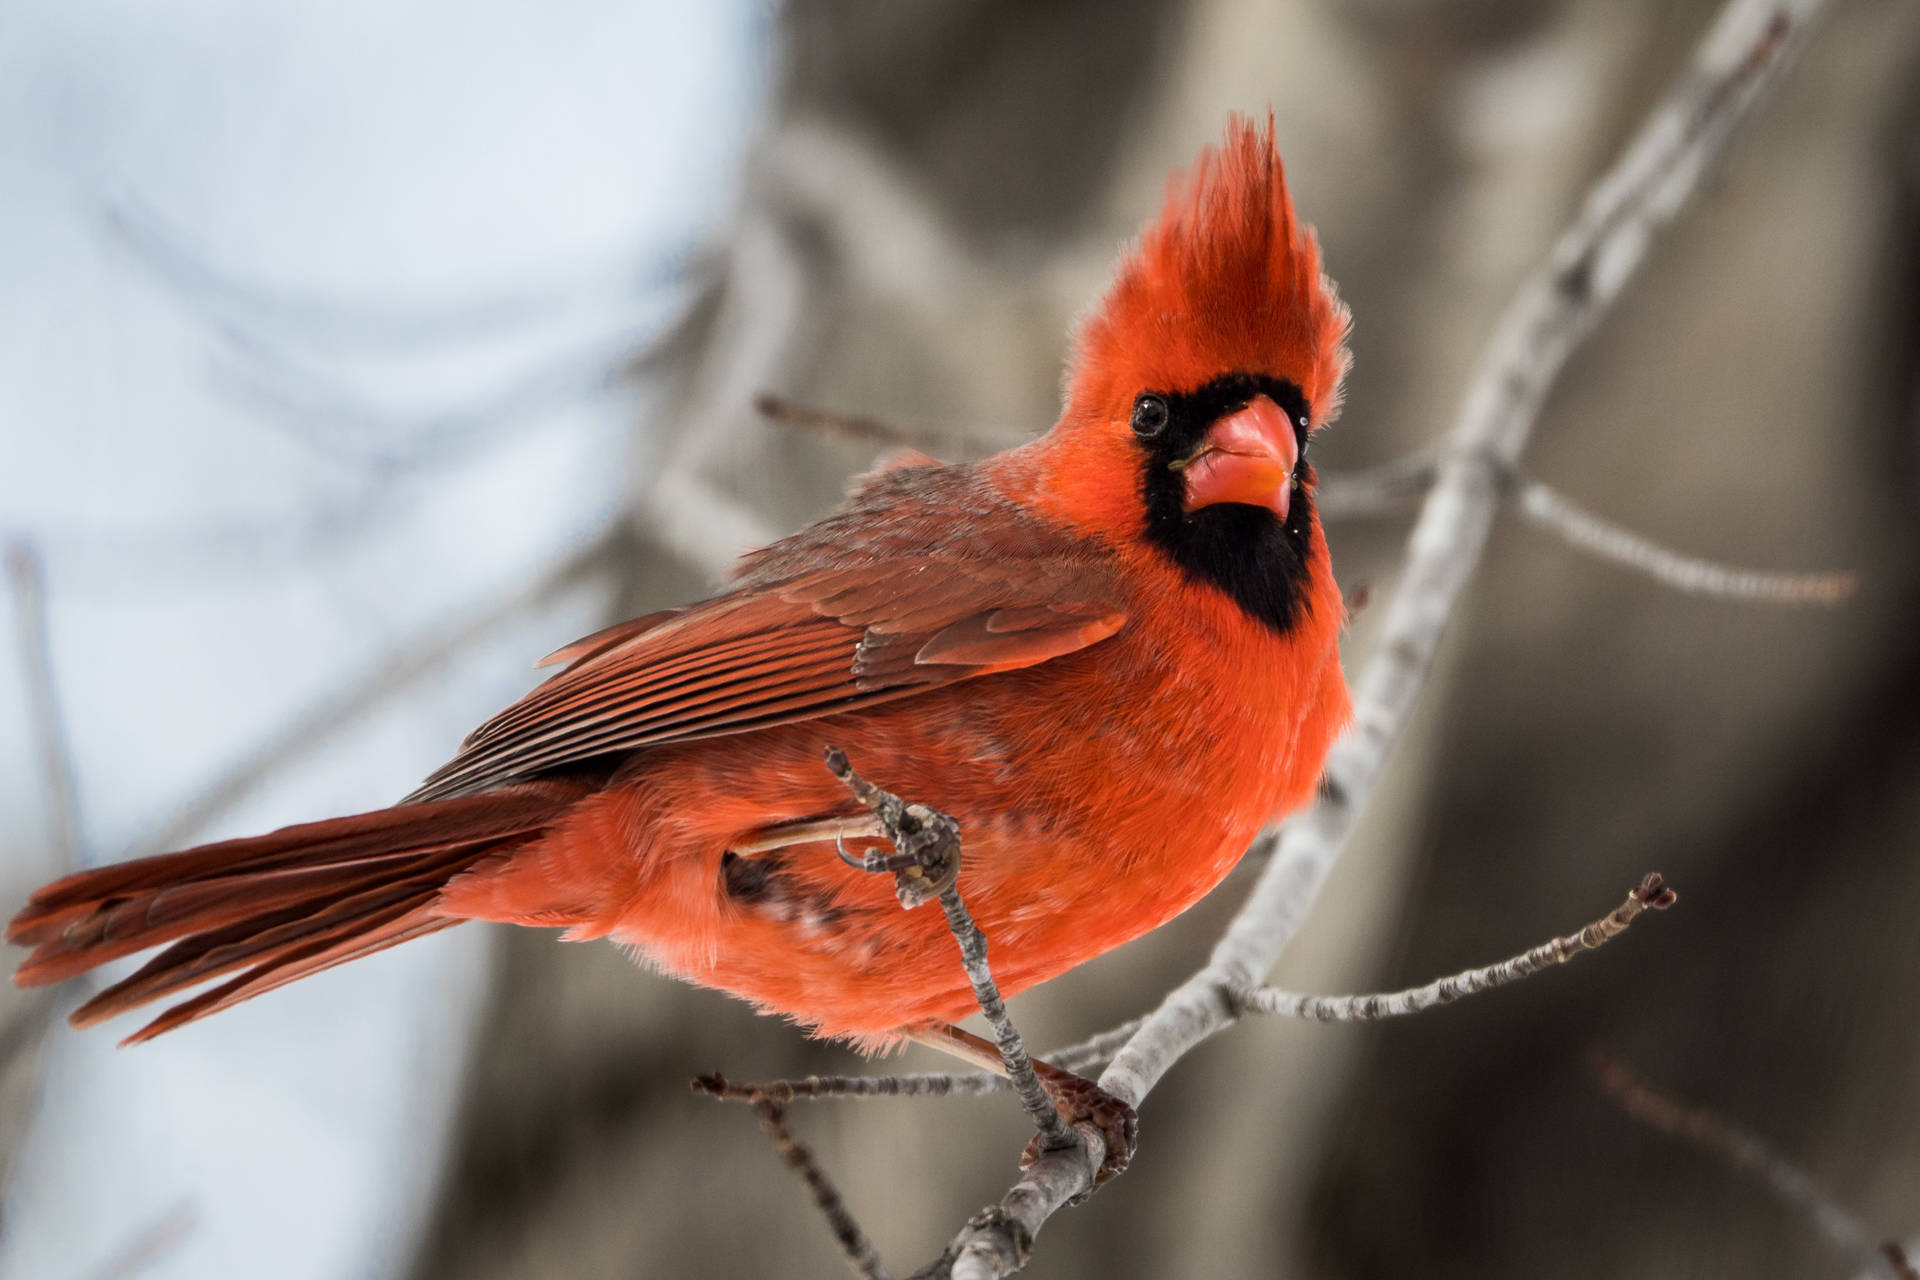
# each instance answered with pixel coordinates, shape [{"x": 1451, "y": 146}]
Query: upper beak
[{"x": 1249, "y": 457}]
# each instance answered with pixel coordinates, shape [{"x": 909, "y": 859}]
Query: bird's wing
[{"x": 927, "y": 576}]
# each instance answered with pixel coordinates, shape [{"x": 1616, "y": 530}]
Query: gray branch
[
  {"x": 862, "y": 1258},
  {"x": 1385, "y": 490},
  {"x": 1651, "y": 894},
  {"x": 939, "y": 441},
  {"x": 1750, "y": 43},
  {"x": 27, "y": 578},
  {"x": 1746, "y": 1152},
  {"x": 1584, "y": 531},
  {"x": 1094, "y": 1051}
]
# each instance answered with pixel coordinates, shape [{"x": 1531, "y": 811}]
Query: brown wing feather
[{"x": 928, "y": 575}]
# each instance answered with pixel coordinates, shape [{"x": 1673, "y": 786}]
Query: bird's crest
[{"x": 1227, "y": 280}]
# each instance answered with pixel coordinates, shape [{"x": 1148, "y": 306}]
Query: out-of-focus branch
[
  {"x": 1096, "y": 1050},
  {"x": 28, "y": 1021},
  {"x": 1384, "y": 490},
  {"x": 1651, "y": 893},
  {"x": 390, "y": 676},
  {"x": 327, "y": 414},
  {"x": 934, "y": 440},
  {"x": 272, "y": 338},
  {"x": 1392, "y": 487},
  {"x": 1745, "y": 1151},
  {"x": 858, "y": 1250},
  {"x": 1584, "y": 531},
  {"x": 695, "y": 522},
  {"x": 167, "y": 1233},
  {"x": 236, "y": 303},
  {"x": 1749, "y": 44},
  {"x": 26, "y": 579}
]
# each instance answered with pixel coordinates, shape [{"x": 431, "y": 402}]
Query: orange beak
[{"x": 1249, "y": 457}]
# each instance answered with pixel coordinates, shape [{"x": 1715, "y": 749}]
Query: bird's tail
[{"x": 275, "y": 907}]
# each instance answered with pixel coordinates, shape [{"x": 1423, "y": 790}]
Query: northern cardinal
[{"x": 1111, "y": 654}]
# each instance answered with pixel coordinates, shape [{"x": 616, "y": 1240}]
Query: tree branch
[
  {"x": 1384, "y": 490},
  {"x": 27, "y": 579},
  {"x": 1719, "y": 1136},
  {"x": 1091, "y": 1052},
  {"x": 1374, "y": 491},
  {"x": 167, "y": 1233},
  {"x": 934, "y": 440},
  {"x": 1750, "y": 43},
  {"x": 1651, "y": 893},
  {"x": 860, "y": 1254},
  {"x": 692, "y": 520},
  {"x": 1581, "y": 529}
]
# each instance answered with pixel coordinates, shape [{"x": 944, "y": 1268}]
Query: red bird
[{"x": 1110, "y": 654}]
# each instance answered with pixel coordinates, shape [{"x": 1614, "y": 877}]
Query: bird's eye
[{"x": 1150, "y": 416}]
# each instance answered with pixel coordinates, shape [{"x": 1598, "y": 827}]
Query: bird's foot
[
  {"x": 1082, "y": 1102},
  {"x": 925, "y": 861}
]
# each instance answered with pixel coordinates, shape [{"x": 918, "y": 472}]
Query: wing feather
[{"x": 927, "y": 576}]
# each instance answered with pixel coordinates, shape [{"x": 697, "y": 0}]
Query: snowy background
[{"x": 309, "y": 319}]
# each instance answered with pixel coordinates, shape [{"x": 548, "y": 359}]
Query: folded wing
[{"x": 927, "y": 576}]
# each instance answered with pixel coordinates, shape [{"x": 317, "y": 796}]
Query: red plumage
[{"x": 1111, "y": 654}]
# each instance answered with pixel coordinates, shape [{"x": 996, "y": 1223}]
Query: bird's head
[{"x": 1218, "y": 350}]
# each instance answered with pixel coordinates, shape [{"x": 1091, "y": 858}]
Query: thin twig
[
  {"x": 390, "y": 676},
  {"x": 1092, "y": 1052},
  {"x": 695, "y": 522},
  {"x": 33, "y": 1016},
  {"x": 27, "y": 578},
  {"x": 821, "y": 1088},
  {"x": 933, "y": 440},
  {"x": 1651, "y": 893},
  {"x": 854, "y": 1245},
  {"x": 166, "y": 1234},
  {"x": 233, "y": 302},
  {"x": 1384, "y": 490},
  {"x": 323, "y": 412},
  {"x": 1381, "y": 490},
  {"x": 1745, "y": 1151},
  {"x": 1096, "y": 1050},
  {"x": 1749, "y": 44},
  {"x": 1584, "y": 531},
  {"x": 932, "y": 840}
]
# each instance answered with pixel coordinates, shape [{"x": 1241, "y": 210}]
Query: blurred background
[{"x": 354, "y": 355}]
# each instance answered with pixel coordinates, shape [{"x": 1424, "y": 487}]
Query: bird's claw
[
  {"x": 926, "y": 859},
  {"x": 1081, "y": 1102}
]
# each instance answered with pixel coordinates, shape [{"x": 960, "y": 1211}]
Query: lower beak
[{"x": 1247, "y": 457}]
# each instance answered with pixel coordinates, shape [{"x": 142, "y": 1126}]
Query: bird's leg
[
  {"x": 925, "y": 865},
  {"x": 807, "y": 831},
  {"x": 1077, "y": 1099}
]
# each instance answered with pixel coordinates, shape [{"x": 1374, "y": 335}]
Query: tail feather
[
  {"x": 259, "y": 940},
  {"x": 376, "y": 932},
  {"x": 278, "y": 906}
]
